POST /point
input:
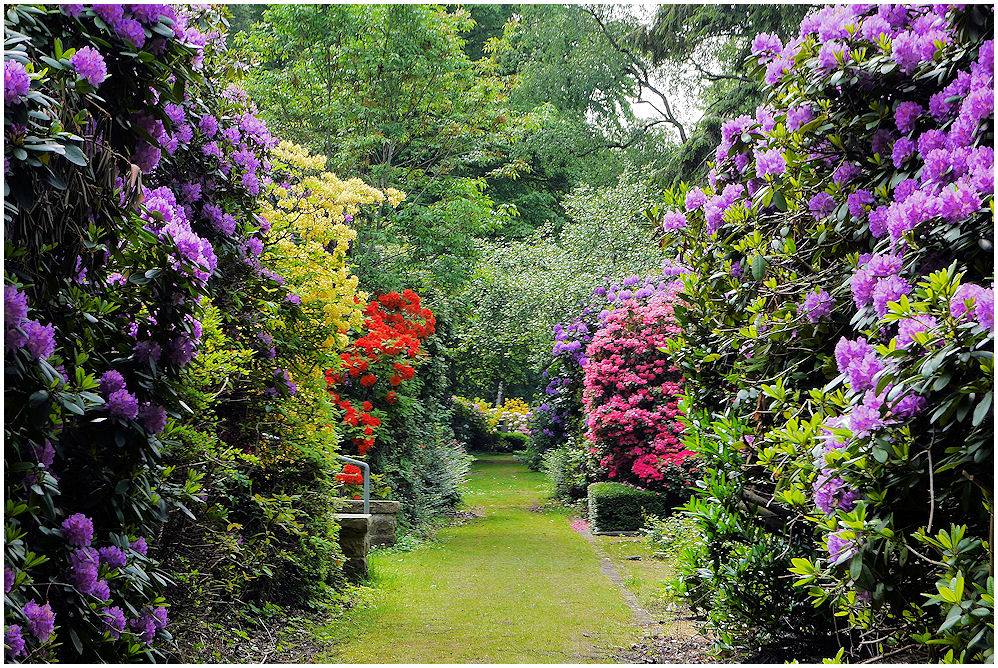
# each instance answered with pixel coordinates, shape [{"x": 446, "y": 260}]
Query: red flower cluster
[
  {"x": 394, "y": 328},
  {"x": 351, "y": 475}
]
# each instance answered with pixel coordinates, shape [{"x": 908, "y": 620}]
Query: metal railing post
[{"x": 367, "y": 480}]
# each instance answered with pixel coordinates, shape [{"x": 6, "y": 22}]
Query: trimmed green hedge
[
  {"x": 512, "y": 442},
  {"x": 617, "y": 507}
]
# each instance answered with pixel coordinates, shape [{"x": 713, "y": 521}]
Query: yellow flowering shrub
[{"x": 310, "y": 235}]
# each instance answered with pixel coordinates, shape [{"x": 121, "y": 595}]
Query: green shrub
[
  {"x": 614, "y": 506},
  {"x": 512, "y": 442},
  {"x": 568, "y": 468}
]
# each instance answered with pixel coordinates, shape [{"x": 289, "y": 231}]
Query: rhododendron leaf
[
  {"x": 758, "y": 267},
  {"x": 982, "y": 409}
]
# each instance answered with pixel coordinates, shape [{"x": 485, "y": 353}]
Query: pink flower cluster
[{"x": 631, "y": 391}]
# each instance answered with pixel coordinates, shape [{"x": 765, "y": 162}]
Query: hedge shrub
[{"x": 615, "y": 506}]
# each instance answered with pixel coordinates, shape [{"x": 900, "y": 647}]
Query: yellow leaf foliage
[{"x": 310, "y": 236}]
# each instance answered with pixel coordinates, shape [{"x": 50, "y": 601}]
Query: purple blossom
[
  {"x": 15, "y": 305},
  {"x": 41, "y": 620},
  {"x": 113, "y": 556},
  {"x": 139, "y": 545},
  {"x": 89, "y": 64},
  {"x": 865, "y": 418},
  {"x": 13, "y": 641},
  {"x": 40, "y": 340},
  {"x": 123, "y": 404},
  {"x": 153, "y": 418},
  {"x": 101, "y": 590},
  {"x": 937, "y": 163},
  {"x": 858, "y": 360},
  {"x": 817, "y": 305},
  {"x": 797, "y": 117},
  {"x": 982, "y": 304},
  {"x": 845, "y": 173},
  {"x": 147, "y": 351},
  {"x": 673, "y": 220},
  {"x": 889, "y": 289},
  {"x": 841, "y": 549},
  {"x": 111, "y": 381},
  {"x": 831, "y": 493},
  {"x": 765, "y": 44},
  {"x": 145, "y": 626},
  {"x": 908, "y": 327},
  {"x": 78, "y": 530},
  {"x": 903, "y": 148},
  {"x": 146, "y": 157},
  {"x": 254, "y": 246},
  {"x": 71, "y": 10},
  {"x": 160, "y": 616},
  {"x": 769, "y": 163},
  {"x": 832, "y": 54},
  {"x": 114, "y": 621},
  {"x": 84, "y": 570},
  {"x": 16, "y": 82},
  {"x": 909, "y": 406},
  {"x": 8, "y": 579},
  {"x": 857, "y": 202},
  {"x": 821, "y": 205},
  {"x": 208, "y": 125},
  {"x": 905, "y": 116}
]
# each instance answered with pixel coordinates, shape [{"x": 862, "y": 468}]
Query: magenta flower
[{"x": 816, "y": 305}]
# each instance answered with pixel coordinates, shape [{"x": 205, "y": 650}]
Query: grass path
[{"x": 516, "y": 586}]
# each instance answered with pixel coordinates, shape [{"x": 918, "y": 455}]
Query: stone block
[
  {"x": 384, "y": 519},
  {"x": 355, "y": 541}
]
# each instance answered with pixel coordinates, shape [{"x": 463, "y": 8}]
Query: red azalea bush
[
  {"x": 631, "y": 395},
  {"x": 394, "y": 329}
]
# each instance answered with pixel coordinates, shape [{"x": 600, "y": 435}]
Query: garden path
[{"x": 516, "y": 586}]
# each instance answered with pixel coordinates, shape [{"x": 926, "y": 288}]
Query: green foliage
[
  {"x": 569, "y": 467},
  {"x": 776, "y": 413},
  {"x": 521, "y": 289},
  {"x": 512, "y": 442},
  {"x": 614, "y": 506}
]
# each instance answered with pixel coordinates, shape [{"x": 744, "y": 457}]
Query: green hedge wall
[{"x": 617, "y": 507}]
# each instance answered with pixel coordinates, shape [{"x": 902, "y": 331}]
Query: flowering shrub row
[
  {"x": 164, "y": 347},
  {"x": 837, "y": 339}
]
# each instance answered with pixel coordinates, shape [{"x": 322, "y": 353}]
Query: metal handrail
[{"x": 367, "y": 480}]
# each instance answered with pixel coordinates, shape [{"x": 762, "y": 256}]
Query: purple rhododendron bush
[
  {"x": 837, "y": 341},
  {"x": 135, "y": 288}
]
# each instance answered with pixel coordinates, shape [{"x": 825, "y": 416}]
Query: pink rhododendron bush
[
  {"x": 631, "y": 393},
  {"x": 837, "y": 341}
]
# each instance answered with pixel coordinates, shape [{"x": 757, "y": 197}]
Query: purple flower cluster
[
  {"x": 123, "y": 404},
  {"x": 90, "y": 65},
  {"x": 41, "y": 620},
  {"x": 816, "y": 305},
  {"x": 673, "y": 220},
  {"x": 113, "y": 556},
  {"x": 770, "y": 163},
  {"x": 859, "y": 361},
  {"x": 78, "y": 530},
  {"x": 982, "y": 304},
  {"x": 841, "y": 548},
  {"x": 16, "y": 82},
  {"x": 832, "y": 493},
  {"x": 14, "y": 642},
  {"x": 114, "y": 621}
]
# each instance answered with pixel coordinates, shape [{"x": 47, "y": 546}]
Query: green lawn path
[{"x": 514, "y": 587}]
